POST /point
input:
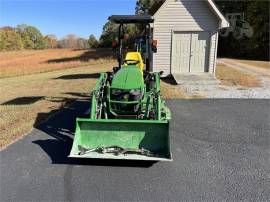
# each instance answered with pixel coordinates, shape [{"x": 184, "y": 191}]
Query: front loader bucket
[{"x": 152, "y": 136}]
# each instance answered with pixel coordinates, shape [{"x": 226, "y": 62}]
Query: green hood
[{"x": 128, "y": 78}]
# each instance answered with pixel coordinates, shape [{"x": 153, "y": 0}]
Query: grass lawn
[
  {"x": 232, "y": 77},
  {"x": 260, "y": 64},
  {"x": 23, "y": 98}
]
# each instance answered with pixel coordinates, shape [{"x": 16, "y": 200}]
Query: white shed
[{"x": 187, "y": 36}]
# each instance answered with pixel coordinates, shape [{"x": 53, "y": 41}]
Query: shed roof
[{"x": 223, "y": 21}]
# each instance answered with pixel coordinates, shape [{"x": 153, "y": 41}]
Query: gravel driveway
[{"x": 216, "y": 90}]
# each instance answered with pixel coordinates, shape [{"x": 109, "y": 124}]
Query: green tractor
[{"x": 128, "y": 118}]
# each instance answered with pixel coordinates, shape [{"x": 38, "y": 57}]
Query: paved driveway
[{"x": 220, "y": 150}]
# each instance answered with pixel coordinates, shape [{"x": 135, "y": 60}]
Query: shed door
[
  {"x": 190, "y": 52},
  {"x": 181, "y": 52}
]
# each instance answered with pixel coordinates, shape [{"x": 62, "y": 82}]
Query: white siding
[
  {"x": 213, "y": 52},
  {"x": 182, "y": 15}
]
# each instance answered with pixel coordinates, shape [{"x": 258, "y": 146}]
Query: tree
[
  {"x": 69, "y": 41},
  {"x": 82, "y": 43},
  {"x": 72, "y": 41},
  {"x": 51, "y": 40},
  {"x": 27, "y": 42},
  {"x": 36, "y": 36},
  {"x": 92, "y": 41},
  {"x": 10, "y": 40},
  {"x": 109, "y": 34},
  {"x": 31, "y": 37},
  {"x": 148, "y": 6},
  {"x": 21, "y": 28},
  {"x": 257, "y": 15}
]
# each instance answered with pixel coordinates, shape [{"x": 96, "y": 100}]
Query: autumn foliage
[{"x": 29, "y": 37}]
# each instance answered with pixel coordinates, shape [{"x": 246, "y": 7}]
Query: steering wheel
[{"x": 131, "y": 62}]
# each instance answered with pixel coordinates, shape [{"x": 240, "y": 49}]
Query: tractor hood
[{"x": 127, "y": 78}]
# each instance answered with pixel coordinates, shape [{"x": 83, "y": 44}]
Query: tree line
[{"x": 29, "y": 37}]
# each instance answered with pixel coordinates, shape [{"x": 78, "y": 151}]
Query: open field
[
  {"x": 15, "y": 63},
  {"x": 232, "y": 77},
  {"x": 28, "y": 100},
  {"x": 260, "y": 64}
]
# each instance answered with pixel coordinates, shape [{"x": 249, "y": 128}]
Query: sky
[{"x": 62, "y": 17}]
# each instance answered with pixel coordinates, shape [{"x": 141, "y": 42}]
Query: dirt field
[
  {"x": 28, "y": 100},
  {"x": 15, "y": 63}
]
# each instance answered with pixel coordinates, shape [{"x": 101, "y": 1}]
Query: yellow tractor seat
[{"x": 135, "y": 56}]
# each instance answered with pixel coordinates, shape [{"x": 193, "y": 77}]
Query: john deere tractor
[{"x": 128, "y": 118}]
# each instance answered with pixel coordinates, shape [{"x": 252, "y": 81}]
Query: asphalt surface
[{"x": 220, "y": 150}]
